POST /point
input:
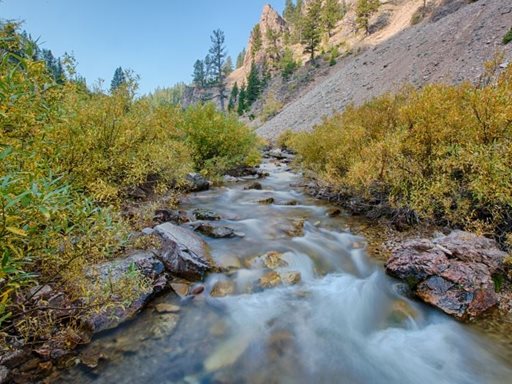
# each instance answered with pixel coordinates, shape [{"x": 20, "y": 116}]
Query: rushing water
[{"x": 345, "y": 322}]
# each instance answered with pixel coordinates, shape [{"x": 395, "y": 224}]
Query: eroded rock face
[{"x": 452, "y": 273}]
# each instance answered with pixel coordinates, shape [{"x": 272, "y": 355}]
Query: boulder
[
  {"x": 184, "y": 254},
  {"x": 223, "y": 288},
  {"x": 270, "y": 279},
  {"x": 197, "y": 183},
  {"x": 267, "y": 201},
  {"x": 453, "y": 273}
]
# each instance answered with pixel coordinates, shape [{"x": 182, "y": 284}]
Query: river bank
[{"x": 256, "y": 320}]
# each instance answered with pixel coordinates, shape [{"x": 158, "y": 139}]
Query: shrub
[
  {"x": 508, "y": 37},
  {"x": 271, "y": 107},
  {"x": 443, "y": 151}
]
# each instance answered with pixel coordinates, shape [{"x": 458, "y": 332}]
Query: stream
[{"x": 344, "y": 322}]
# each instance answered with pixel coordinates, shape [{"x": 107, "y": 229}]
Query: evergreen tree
[
  {"x": 242, "y": 98},
  {"x": 332, "y": 12},
  {"x": 253, "y": 85},
  {"x": 289, "y": 11},
  {"x": 54, "y": 66},
  {"x": 199, "y": 75},
  {"x": 218, "y": 59},
  {"x": 228, "y": 66},
  {"x": 208, "y": 70},
  {"x": 287, "y": 64},
  {"x": 233, "y": 98},
  {"x": 256, "y": 39},
  {"x": 364, "y": 10},
  {"x": 311, "y": 28},
  {"x": 240, "y": 59},
  {"x": 118, "y": 80},
  {"x": 273, "y": 49}
]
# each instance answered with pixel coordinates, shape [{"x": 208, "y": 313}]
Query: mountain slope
[{"x": 452, "y": 49}]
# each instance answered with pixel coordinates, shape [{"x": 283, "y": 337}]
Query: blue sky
[{"x": 160, "y": 40}]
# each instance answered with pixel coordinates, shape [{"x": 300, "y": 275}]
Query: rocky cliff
[{"x": 451, "y": 46}]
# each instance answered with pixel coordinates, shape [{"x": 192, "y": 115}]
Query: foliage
[
  {"x": 288, "y": 64},
  {"x": 271, "y": 107},
  {"x": 254, "y": 86},
  {"x": 311, "y": 27},
  {"x": 240, "y": 59},
  {"x": 228, "y": 66},
  {"x": 256, "y": 40},
  {"x": 332, "y": 12},
  {"x": 508, "y": 37},
  {"x": 242, "y": 100},
  {"x": 443, "y": 151},
  {"x": 171, "y": 96},
  {"x": 218, "y": 54},
  {"x": 233, "y": 98},
  {"x": 118, "y": 80},
  {"x": 364, "y": 10},
  {"x": 68, "y": 159},
  {"x": 199, "y": 76},
  {"x": 217, "y": 142}
]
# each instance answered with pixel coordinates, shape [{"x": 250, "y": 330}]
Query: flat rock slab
[{"x": 453, "y": 273}]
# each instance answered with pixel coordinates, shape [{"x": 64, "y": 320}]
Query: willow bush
[
  {"x": 443, "y": 151},
  {"x": 68, "y": 158}
]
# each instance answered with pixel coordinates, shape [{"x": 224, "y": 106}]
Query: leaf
[{"x": 17, "y": 231}]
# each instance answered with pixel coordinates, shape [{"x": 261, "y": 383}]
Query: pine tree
[
  {"x": 228, "y": 66},
  {"x": 257, "y": 40},
  {"x": 273, "y": 49},
  {"x": 253, "y": 85},
  {"x": 218, "y": 59},
  {"x": 289, "y": 11},
  {"x": 332, "y": 12},
  {"x": 118, "y": 80},
  {"x": 208, "y": 70},
  {"x": 240, "y": 59},
  {"x": 242, "y": 98},
  {"x": 364, "y": 10},
  {"x": 199, "y": 75},
  {"x": 233, "y": 98},
  {"x": 311, "y": 28}
]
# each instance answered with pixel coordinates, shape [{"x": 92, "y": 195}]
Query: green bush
[{"x": 508, "y": 37}]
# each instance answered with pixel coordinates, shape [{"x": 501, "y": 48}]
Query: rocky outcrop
[{"x": 453, "y": 273}]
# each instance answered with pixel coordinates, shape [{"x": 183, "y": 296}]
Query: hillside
[{"x": 450, "y": 48}]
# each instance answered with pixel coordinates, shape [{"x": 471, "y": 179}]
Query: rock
[
  {"x": 181, "y": 289},
  {"x": 452, "y": 273},
  {"x": 197, "y": 183},
  {"x": 230, "y": 179},
  {"x": 148, "y": 265},
  {"x": 148, "y": 231},
  {"x": 230, "y": 263},
  {"x": 274, "y": 260},
  {"x": 270, "y": 280},
  {"x": 166, "y": 326},
  {"x": 291, "y": 203},
  {"x": 197, "y": 290},
  {"x": 291, "y": 278},
  {"x": 4, "y": 373},
  {"x": 223, "y": 288},
  {"x": 227, "y": 353},
  {"x": 267, "y": 201},
  {"x": 218, "y": 329},
  {"x": 91, "y": 358},
  {"x": 184, "y": 253},
  {"x": 171, "y": 215},
  {"x": 256, "y": 185},
  {"x": 167, "y": 308},
  {"x": 335, "y": 212},
  {"x": 205, "y": 214},
  {"x": 217, "y": 232},
  {"x": 296, "y": 229}
]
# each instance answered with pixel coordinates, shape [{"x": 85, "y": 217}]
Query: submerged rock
[
  {"x": 267, "y": 201},
  {"x": 223, "y": 288},
  {"x": 167, "y": 308},
  {"x": 171, "y": 215},
  {"x": 184, "y": 253},
  {"x": 452, "y": 273},
  {"x": 291, "y": 278},
  {"x": 256, "y": 185},
  {"x": 270, "y": 280}
]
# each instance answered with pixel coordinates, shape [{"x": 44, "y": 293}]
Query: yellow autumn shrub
[{"x": 444, "y": 151}]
